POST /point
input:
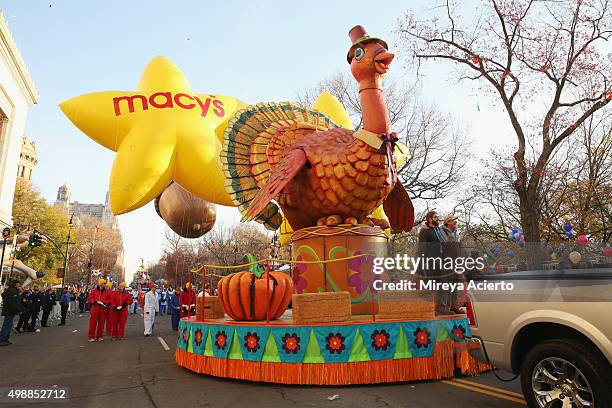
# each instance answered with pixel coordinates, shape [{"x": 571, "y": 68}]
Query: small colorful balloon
[
  {"x": 575, "y": 257},
  {"x": 582, "y": 240}
]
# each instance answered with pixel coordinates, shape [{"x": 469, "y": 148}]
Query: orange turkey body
[{"x": 343, "y": 176}]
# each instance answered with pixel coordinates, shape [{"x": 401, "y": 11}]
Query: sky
[{"x": 254, "y": 51}]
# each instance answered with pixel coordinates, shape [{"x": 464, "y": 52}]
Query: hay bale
[
  {"x": 410, "y": 304},
  {"x": 321, "y": 307},
  {"x": 212, "y": 306}
]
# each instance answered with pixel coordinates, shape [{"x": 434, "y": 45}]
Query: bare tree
[
  {"x": 172, "y": 241},
  {"x": 437, "y": 147},
  {"x": 521, "y": 51},
  {"x": 576, "y": 187}
]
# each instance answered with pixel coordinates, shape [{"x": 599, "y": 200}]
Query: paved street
[{"x": 138, "y": 372}]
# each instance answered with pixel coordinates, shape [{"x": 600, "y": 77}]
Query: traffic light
[{"x": 35, "y": 240}]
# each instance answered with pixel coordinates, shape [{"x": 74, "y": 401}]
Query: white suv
[{"x": 555, "y": 329}]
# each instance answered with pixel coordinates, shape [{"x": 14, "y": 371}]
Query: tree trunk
[{"x": 529, "y": 208}]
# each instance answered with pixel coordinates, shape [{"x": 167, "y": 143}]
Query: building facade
[
  {"x": 27, "y": 160},
  {"x": 17, "y": 94},
  {"x": 97, "y": 212}
]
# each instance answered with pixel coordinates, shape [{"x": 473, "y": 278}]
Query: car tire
[{"x": 574, "y": 354}]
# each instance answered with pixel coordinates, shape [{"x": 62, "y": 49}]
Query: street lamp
[
  {"x": 67, "y": 245},
  {"x": 91, "y": 254}
]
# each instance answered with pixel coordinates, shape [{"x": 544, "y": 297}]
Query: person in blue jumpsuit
[{"x": 175, "y": 306}]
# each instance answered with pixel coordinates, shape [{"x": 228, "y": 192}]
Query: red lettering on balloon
[
  {"x": 130, "y": 102},
  {"x": 177, "y": 100},
  {"x": 204, "y": 105},
  {"x": 167, "y": 103},
  {"x": 219, "y": 110}
]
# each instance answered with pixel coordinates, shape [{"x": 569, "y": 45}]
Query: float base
[{"x": 355, "y": 352}]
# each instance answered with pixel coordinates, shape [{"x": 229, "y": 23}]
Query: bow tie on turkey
[
  {"x": 389, "y": 144},
  {"x": 385, "y": 141}
]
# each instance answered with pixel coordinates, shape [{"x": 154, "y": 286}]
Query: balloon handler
[
  {"x": 175, "y": 306},
  {"x": 120, "y": 301},
  {"x": 99, "y": 301},
  {"x": 188, "y": 301},
  {"x": 109, "y": 288},
  {"x": 151, "y": 306}
]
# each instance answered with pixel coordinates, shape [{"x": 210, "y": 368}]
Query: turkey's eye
[{"x": 359, "y": 53}]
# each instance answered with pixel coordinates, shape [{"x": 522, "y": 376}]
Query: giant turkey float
[{"x": 332, "y": 190}]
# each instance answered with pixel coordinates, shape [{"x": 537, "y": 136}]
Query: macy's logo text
[{"x": 162, "y": 100}]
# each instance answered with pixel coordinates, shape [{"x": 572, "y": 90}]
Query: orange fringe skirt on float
[{"x": 439, "y": 366}]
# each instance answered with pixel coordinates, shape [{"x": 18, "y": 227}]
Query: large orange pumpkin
[{"x": 243, "y": 294}]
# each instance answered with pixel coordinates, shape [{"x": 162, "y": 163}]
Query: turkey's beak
[{"x": 382, "y": 62}]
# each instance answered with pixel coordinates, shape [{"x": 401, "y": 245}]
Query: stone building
[
  {"x": 98, "y": 212},
  {"x": 27, "y": 160}
]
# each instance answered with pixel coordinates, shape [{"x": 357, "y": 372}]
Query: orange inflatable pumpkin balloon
[
  {"x": 243, "y": 294},
  {"x": 187, "y": 215}
]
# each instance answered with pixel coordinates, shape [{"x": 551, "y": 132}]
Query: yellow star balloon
[{"x": 161, "y": 132}]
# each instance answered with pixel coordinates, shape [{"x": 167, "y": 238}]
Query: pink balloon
[
  {"x": 607, "y": 251},
  {"x": 517, "y": 236},
  {"x": 582, "y": 240}
]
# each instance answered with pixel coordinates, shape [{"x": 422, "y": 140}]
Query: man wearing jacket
[
  {"x": 175, "y": 308},
  {"x": 64, "y": 305},
  {"x": 24, "y": 318},
  {"x": 451, "y": 248},
  {"x": 169, "y": 294},
  {"x": 120, "y": 301},
  {"x": 163, "y": 297},
  {"x": 11, "y": 306},
  {"x": 99, "y": 300},
  {"x": 188, "y": 301},
  {"x": 47, "y": 300},
  {"x": 34, "y": 306},
  {"x": 430, "y": 251},
  {"x": 82, "y": 300},
  {"x": 151, "y": 306},
  {"x": 109, "y": 288}
]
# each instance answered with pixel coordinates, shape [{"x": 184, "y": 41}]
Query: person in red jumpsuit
[
  {"x": 109, "y": 288},
  {"x": 188, "y": 301},
  {"x": 120, "y": 301},
  {"x": 141, "y": 299},
  {"x": 99, "y": 301}
]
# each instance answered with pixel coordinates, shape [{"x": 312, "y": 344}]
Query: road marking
[
  {"x": 488, "y": 387},
  {"x": 163, "y": 343},
  {"x": 483, "y": 391}
]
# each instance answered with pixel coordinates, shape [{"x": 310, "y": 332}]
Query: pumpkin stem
[{"x": 257, "y": 269}]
